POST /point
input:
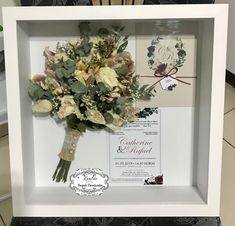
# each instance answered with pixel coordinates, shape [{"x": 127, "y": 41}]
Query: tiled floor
[
  {"x": 228, "y": 168},
  {"x": 228, "y": 171}
]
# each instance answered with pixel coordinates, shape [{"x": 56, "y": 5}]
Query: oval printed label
[{"x": 89, "y": 182}]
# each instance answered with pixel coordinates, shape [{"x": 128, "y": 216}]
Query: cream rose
[
  {"x": 108, "y": 76},
  {"x": 81, "y": 76},
  {"x": 42, "y": 106},
  {"x": 80, "y": 66},
  {"x": 68, "y": 107},
  {"x": 95, "y": 116},
  {"x": 52, "y": 85},
  {"x": 117, "y": 121},
  {"x": 60, "y": 56},
  {"x": 49, "y": 55}
]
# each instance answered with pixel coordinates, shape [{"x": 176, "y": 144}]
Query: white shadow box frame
[{"x": 192, "y": 172}]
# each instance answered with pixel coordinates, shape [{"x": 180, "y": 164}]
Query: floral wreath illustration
[{"x": 165, "y": 59}]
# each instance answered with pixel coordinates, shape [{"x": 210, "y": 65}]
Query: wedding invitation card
[{"x": 135, "y": 153}]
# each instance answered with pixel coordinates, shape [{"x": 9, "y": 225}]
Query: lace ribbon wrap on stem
[{"x": 66, "y": 155}]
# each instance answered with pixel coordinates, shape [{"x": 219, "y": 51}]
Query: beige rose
[
  {"x": 131, "y": 113},
  {"x": 49, "y": 55},
  {"x": 108, "y": 76},
  {"x": 42, "y": 106},
  {"x": 49, "y": 72},
  {"x": 81, "y": 76},
  {"x": 95, "y": 116},
  {"x": 117, "y": 121},
  {"x": 52, "y": 85},
  {"x": 114, "y": 94},
  {"x": 80, "y": 66},
  {"x": 60, "y": 56},
  {"x": 68, "y": 107},
  {"x": 58, "y": 91},
  {"x": 121, "y": 59},
  {"x": 71, "y": 45},
  {"x": 39, "y": 80}
]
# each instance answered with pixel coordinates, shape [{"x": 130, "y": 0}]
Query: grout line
[
  {"x": 3, "y": 136},
  {"x": 1, "y": 218},
  {"x": 229, "y": 143},
  {"x": 5, "y": 197},
  {"x": 229, "y": 111},
  {"x": 224, "y": 138}
]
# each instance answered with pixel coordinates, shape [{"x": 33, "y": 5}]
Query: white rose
[
  {"x": 60, "y": 56},
  {"x": 95, "y": 116},
  {"x": 42, "y": 106},
  {"x": 81, "y": 76},
  {"x": 68, "y": 106},
  {"x": 108, "y": 76},
  {"x": 50, "y": 83}
]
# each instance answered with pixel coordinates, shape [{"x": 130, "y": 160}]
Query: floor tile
[
  {"x": 229, "y": 127},
  {"x": 3, "y": 129},
  {"x": 6, "y": 211},
  {"x": 229, "y": 98},
  {"x": 228, "y": 186},
  {"x": 5, "y": 186}
]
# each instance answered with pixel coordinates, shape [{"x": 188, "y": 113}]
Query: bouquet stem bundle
[{"x": 66, "y": 155}]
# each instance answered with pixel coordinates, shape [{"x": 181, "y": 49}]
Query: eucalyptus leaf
[
  {"x": 108, "y": 117},
  {"x": 81, "y": 127},
  {"x": 35, "y": 91},
  {"x": 84, "y": 28},
  {"x": 121, "y": 100},
  {"x": 79, "y": 88},
  {"x": 102, "y": 87},
  {"x": 122, "y": 70},
  {"x": 71, "y": 81},
  {"x": 119, "y": 109},
  {"x": 103, "y": 32},
  {"x": 85, "y": 40},
  {"x": 47, "y": 95},
  {"x": 57, "y": 65},
  {"x": 69, "y": 63},
  {"x": 122, "y": 47},
  {"x": 70, "y": 71},
  {"x": 87, "y": 48},
  {"x": 61, "y": 72},
  {"x": 80, "y": 51},
  {"x": 72, "y": 121},
  {"x": 147, "y": 92},
  {"x": 142, "y": 88}
]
